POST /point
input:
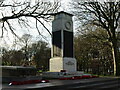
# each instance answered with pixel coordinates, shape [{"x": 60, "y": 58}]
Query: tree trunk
[{"x": 115, "y": 58}]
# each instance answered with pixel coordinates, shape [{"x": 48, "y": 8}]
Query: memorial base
[
  {"x": 57, "y": 64},
  {"x": 58, "y": 75},
  {"x": 62, "y": 67}
]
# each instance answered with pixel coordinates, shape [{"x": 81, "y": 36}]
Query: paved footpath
[{"x": 102, "y": 83}]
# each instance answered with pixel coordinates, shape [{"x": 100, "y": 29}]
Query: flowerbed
[
  {"x": 78, "y": 77},
  {"x": 28, "y": 82}
]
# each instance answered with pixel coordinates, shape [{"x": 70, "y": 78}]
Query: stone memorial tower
[{"x": 62, "y": 56}]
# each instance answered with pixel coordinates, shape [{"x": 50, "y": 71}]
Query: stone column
[{"x": 62, "y": 43}]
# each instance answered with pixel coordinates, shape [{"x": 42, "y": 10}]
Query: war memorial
[
  {"x": 62, "y": 43},
  {"x": 62, "y": 62}
]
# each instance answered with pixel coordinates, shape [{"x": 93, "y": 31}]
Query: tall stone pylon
[{"x": 62, "y": 56}]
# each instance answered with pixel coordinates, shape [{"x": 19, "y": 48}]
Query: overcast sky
[{"x": 9, "y": 38}]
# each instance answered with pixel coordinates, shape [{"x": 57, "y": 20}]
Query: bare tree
[
  {"x": 25, "y": 41},
  {"x": 105, "y": 15},
  {"x": 21, "y": 11}
]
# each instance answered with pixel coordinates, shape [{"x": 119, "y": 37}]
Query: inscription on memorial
[{"x": 70, "y": 63}]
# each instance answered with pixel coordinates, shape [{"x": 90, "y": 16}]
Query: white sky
[{"x": 8, "y": 39}]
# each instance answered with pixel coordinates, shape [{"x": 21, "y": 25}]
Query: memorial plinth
[
  {"x": 58, "y": 63},
  {"x": 62, "y": 43}
]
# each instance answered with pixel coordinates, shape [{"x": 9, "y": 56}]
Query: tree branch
[
  {"x": 20, "y": 11},
  {"x": 44, "y": 26}
]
